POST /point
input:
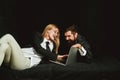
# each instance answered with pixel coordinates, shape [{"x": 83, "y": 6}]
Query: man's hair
[{"x": 72, "y": 28}]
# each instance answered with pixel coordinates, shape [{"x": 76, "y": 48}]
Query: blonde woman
[
  {"x": 50, "y": 34},
  {"x": 23, "y": 58}
]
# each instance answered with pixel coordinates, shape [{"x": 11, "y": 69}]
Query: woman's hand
[{"x": 61, "y": 57}]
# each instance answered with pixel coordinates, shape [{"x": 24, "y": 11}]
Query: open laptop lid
[{"x": 72, "y": 57}]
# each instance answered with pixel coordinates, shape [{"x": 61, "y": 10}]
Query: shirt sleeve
[{"x": 82, "y": 51}]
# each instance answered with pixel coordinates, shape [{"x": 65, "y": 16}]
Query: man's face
[{"x": 70, "y": 37}]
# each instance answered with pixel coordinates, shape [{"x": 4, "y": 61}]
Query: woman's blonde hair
[{"x": 56, "y": 40}]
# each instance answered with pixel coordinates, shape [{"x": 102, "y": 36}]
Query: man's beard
[{"x": 70, "y": 42}]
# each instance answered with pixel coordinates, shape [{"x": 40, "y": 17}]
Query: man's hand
[{"x": 77, "y": 46}]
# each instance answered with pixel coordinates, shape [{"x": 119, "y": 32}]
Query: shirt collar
[{"x": 45, "y": 40}]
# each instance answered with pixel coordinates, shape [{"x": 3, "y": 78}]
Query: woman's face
[{"x": 53, "y": 33}]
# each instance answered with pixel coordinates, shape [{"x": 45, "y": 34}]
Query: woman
[
  {"x": 19, "y": 59},
  {"x": 50, "y": 34}
]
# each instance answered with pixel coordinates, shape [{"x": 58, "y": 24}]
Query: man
[{"x": 74, "y": 39}]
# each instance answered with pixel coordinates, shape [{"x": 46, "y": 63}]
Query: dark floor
[{"x": 106, "y": 69}]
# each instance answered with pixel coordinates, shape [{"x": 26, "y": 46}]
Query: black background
[{"x": 98, "y": 21}]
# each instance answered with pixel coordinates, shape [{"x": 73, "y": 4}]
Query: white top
[
  {"x": 43, "y": 44},
  {"x": 32, "y": 54}
]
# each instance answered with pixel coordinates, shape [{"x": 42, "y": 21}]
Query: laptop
[{"x": 72, "y": 58}]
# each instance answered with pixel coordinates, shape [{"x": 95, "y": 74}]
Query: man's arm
[{"x": 85, "y": 45}]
